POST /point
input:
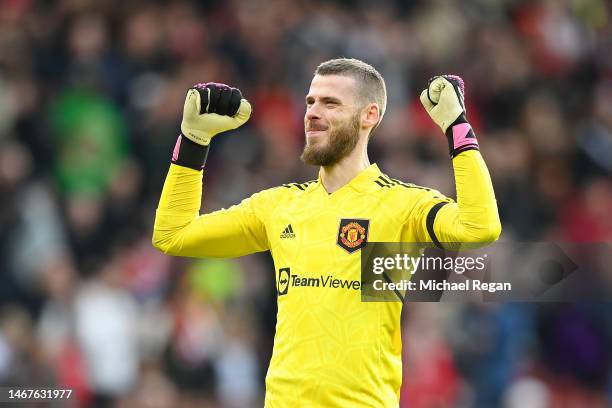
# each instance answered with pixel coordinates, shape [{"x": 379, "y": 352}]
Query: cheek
[{"x": 339, "y": 121}]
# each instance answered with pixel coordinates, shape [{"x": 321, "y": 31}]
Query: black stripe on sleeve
[
  {"x": 380, "y": 184},
  {"x": 386, "y": 181},
  {"x": 431, "y": 218}
]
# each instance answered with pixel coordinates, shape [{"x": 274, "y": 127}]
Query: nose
[{"x": 313, "y": 112}]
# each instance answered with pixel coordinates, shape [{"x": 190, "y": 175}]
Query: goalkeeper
[{"x": 330, "y": 349}]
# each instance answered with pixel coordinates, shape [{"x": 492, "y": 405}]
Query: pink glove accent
[
  {"x": 463, "y": 135},
  {"x": 177, "y": 148}
]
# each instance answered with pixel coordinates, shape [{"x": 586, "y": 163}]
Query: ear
[{"x": 370, "y": 116}]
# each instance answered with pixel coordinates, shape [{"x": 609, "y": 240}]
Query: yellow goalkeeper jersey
[{"x": 330, "y": 348}]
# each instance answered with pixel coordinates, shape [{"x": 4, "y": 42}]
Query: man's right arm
[
  {"x": 209, "y": 109},
  {"x": 180, "y": 230}
]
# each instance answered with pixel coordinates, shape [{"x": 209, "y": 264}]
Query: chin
[{"x": 314, "y": 141}]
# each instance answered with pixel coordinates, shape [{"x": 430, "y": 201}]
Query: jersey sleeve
[
  {"x": 180, "y": 229},
  {"x": 472, "y": 219}
]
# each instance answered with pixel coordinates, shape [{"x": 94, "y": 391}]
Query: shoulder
[
  {"x": 266, "y": 202},
  {"x": 294, "y": 187},
  {"x": 276, "y": 195},
  {"x": 408, "y": 197},
  {"x": 402, "y": 187}
]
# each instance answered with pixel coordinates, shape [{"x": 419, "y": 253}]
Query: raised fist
[{"x": 212, "y": 108}]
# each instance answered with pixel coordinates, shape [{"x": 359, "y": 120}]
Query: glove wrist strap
[
  {"x": 189, "y": 154},
  {"x": 460, "y": 136}
]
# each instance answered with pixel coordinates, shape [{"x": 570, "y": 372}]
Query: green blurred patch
[
  {"x": 215, "y": 279},
  {"x": 90, "y": 136}
]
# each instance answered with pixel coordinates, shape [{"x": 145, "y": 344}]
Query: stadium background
[{"x": 90, "y": 101}]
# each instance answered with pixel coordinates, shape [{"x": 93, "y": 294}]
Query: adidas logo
[{"x": 288, "y": 232}]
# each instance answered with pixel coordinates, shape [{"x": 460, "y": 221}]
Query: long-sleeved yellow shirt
[{"x": 330, "y": 348}]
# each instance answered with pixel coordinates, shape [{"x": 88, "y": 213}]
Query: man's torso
[{"x": 330, "y": 348}]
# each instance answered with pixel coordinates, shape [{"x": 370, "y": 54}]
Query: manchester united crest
[{"x": 353, "y": 234}]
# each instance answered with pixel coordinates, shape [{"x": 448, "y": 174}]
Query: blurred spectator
[{"x": 106, "y": 319}]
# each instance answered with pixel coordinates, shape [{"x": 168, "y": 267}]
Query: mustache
[{"x": 314, "y": 126}]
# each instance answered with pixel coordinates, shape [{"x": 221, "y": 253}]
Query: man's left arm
[{"x": 474, "y": 217}]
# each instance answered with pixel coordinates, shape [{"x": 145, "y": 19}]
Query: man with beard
[{"x": 330, "y": 348}]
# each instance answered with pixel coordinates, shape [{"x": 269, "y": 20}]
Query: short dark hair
[{"x": 371, "y": 85}]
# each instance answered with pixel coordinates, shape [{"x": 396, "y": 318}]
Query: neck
[{"x": 338, "y": 175}]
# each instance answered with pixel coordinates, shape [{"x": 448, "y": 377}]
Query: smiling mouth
[{"x": 315, "y": 129}]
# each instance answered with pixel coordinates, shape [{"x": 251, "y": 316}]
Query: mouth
[{"x": 314, "y": 132}]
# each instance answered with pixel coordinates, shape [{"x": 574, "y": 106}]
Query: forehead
[{"x": 339, "y": 86}]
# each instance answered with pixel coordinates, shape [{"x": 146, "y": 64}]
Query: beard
[{"x": 342, "y": 139}]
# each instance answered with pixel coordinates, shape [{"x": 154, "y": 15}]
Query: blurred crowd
[{"x": 91, "y": 94}]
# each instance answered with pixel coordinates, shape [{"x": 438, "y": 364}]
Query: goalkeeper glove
[
  {"x": 444, "y": 102},
  {"x": 209, "y": 109}
]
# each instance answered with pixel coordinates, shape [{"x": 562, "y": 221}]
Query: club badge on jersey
[{"x": 353, "y": 234}]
